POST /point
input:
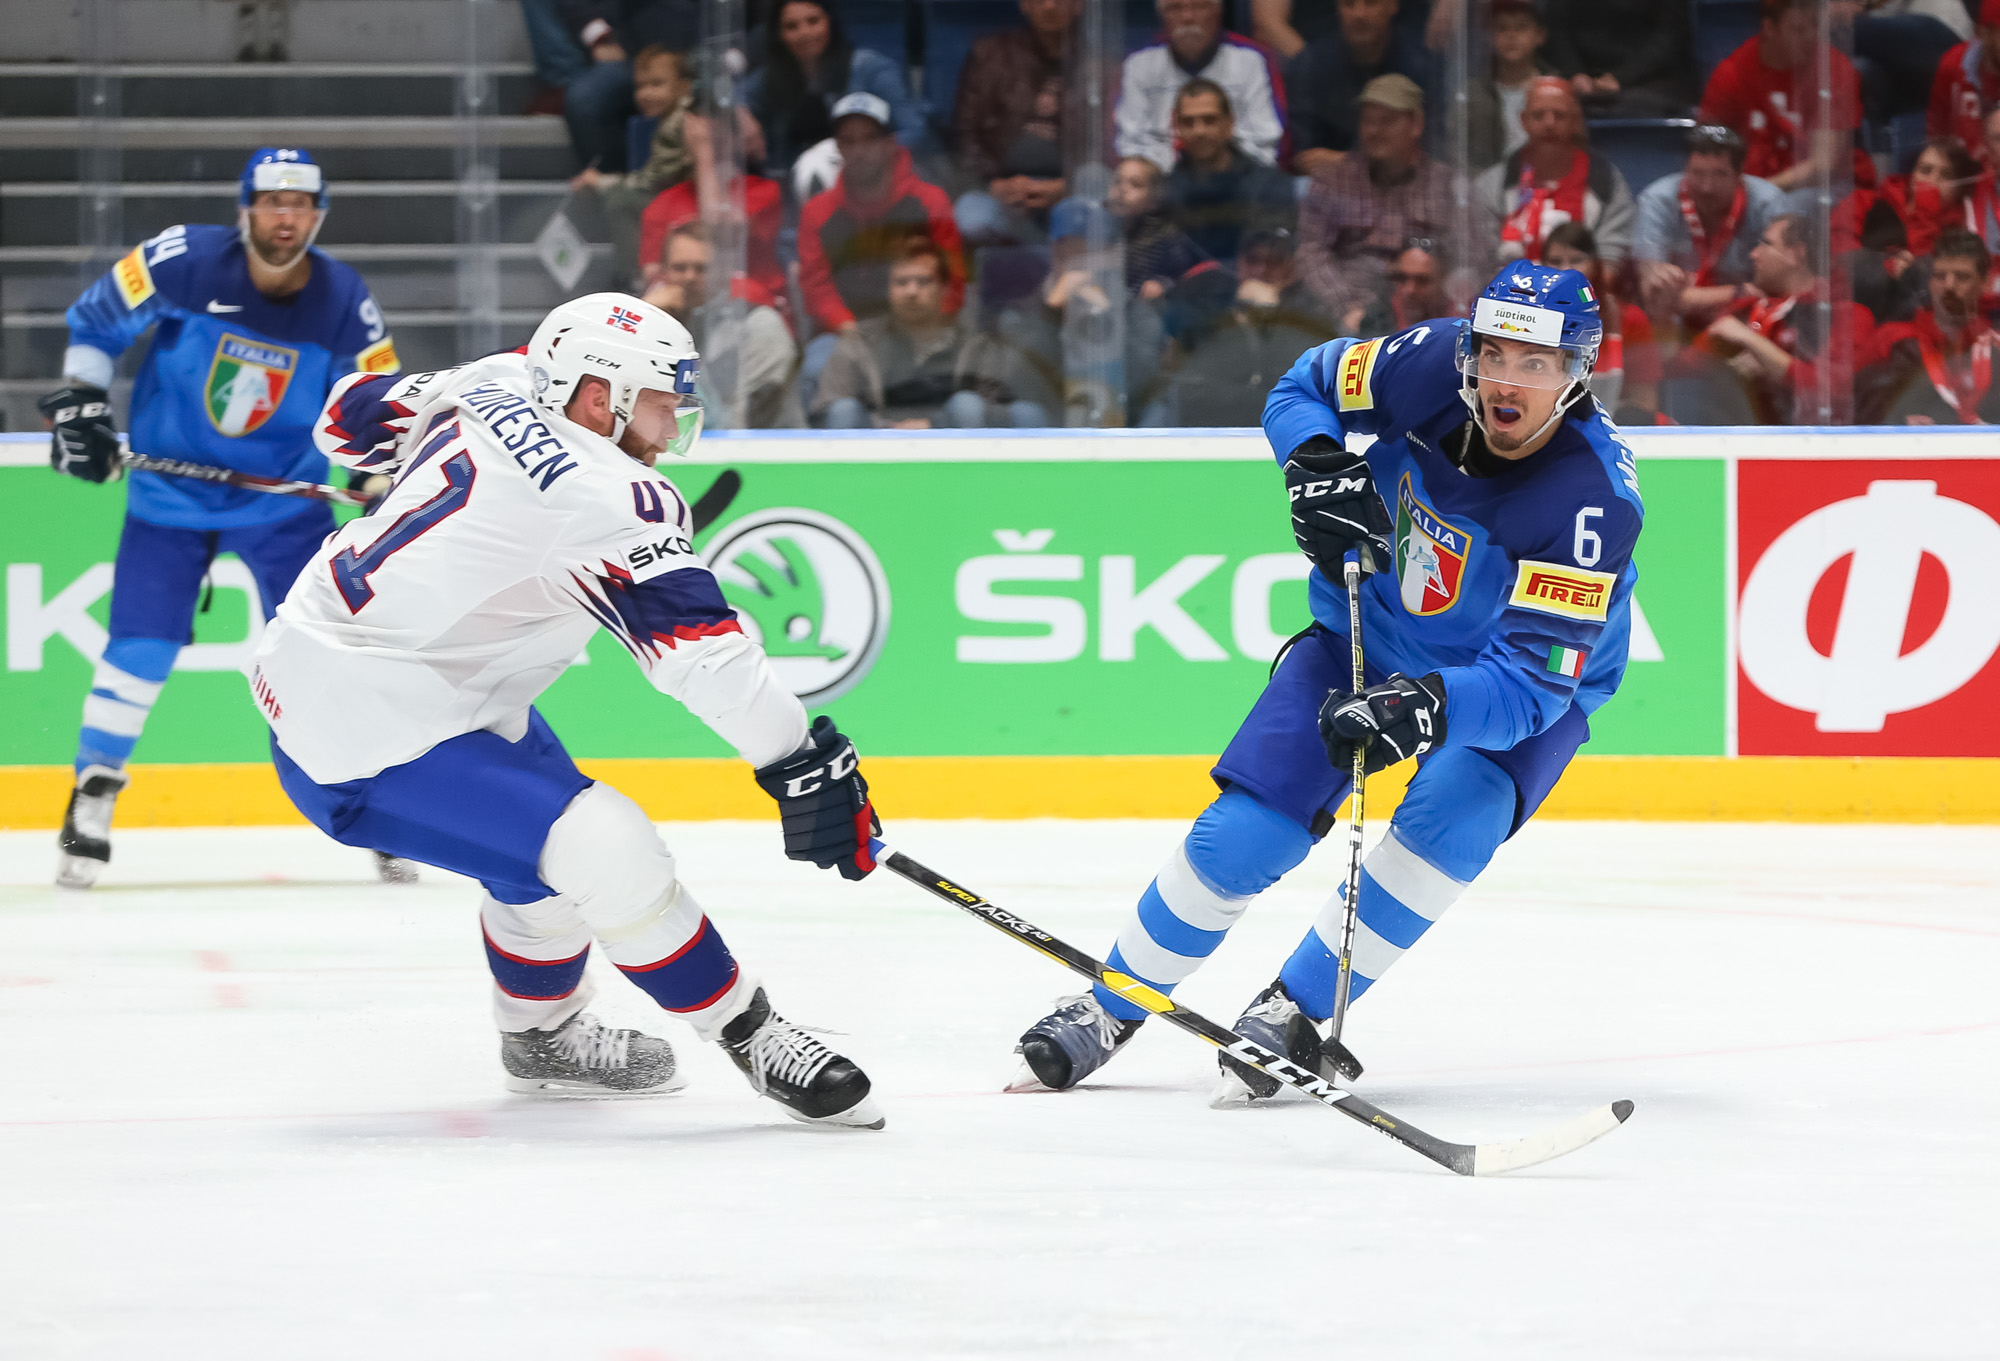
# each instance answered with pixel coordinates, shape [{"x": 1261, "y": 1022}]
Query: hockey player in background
[
  {"x": 251, "y": 327},
  {"x": 1496, "y": 621},
  {"x": 400, "y": 674}
]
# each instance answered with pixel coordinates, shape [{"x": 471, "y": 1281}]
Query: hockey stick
[
  {"x": 1335, "y": 1052},
  {"x": 1469, "y": 1160},
  {"x": 708, "y": 507},
  {"x": 276, "y": 486}
]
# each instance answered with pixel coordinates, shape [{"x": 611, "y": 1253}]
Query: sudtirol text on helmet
[
  {"x": 632, "y": 345},
  {"x": 1535, "y": 305},
  {"x": 272, "y": 169}
]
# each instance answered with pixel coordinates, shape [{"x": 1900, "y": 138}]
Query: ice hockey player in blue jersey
[
  {"x": 251, "y": 328},
  {"x": 1495, "y": 622}
]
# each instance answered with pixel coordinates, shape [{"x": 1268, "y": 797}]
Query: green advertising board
[{"x": 954, "y": 605}]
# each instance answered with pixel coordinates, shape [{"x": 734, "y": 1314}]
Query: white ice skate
[
  {"x": 84, "y": 847},
  {"x": 586, "y": 1058}
]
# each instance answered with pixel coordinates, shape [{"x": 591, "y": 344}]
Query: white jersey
[{"x": 510, "y": 537}]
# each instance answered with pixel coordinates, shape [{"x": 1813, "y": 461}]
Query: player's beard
[{"x": 273, "y": 255}]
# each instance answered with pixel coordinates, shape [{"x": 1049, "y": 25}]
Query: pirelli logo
[
  {"x": 1357, "y": 376},
  {"x": 379, "y": 358},
  {"x": 134, "y": 280},
  {"x": 1568, "y": 591}
]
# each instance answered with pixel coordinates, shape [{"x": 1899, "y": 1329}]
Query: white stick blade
[{"x": 1492, "y": 1159}]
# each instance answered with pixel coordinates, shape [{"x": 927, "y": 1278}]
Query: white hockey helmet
[{"x": 632, "y": 345}]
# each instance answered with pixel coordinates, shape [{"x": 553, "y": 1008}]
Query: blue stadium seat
[
  {"x": 1643, "y": 149},
  {"x": 1720, "y": 27},
  {"x": 951, "y": 27},
  {"x": 878, "y": 24}
]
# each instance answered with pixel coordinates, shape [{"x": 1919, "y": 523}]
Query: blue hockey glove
[
  {"x": 823, "y": 803},
  {"x": 1397, "y": 719},
  {"x": 85, "y": 442},
  {"x": 1335, "y": 507}
]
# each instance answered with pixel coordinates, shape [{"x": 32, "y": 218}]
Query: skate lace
[
  {"x": 778, "y": 1049},
  {"x": 588, "y": 1044},
  {"x": 1093, "y": 1012}
]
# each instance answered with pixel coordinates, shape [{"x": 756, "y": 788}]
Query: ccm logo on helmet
[{"x": 839, "y": 768}]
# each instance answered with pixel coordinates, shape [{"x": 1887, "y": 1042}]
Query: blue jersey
[
  {"x": 233, "y": 379},
  {"x": 1516, "y": 587}
]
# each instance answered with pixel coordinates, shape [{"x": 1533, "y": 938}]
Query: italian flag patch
[{"x": 1566, "y": 661}]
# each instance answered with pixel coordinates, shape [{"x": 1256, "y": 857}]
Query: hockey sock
[
  {"x": 537, "y": 953},
  {"x": 1236, "y": 849},
  {"x": 122, "y": 692},
  {"x": 1458, "y": 811}
]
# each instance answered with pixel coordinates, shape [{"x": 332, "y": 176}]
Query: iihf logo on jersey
[
  {"x": 809, "y": 589},
  {"x": 1430, "y": 554},
  {"x": 247, "y": 382},
  {"x": 625, "y": 319}
]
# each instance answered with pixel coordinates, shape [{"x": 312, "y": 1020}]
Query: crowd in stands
[{"x": 1070, "y": 234}]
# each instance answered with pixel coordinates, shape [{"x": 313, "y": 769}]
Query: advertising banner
[
  {"x": 1053, "y": 606},
  {"x": 1868, "y": 618}
]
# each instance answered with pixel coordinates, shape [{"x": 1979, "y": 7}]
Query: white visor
[{"x": 274, "y": 175}]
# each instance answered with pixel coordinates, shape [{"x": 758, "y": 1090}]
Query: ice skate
[
  {"x": 784, "y": 1062},
  {"x": 85, "y": 843},
  {"x": 1069, "y": 1044},
  {"x": 1274, "y": 1021},
  {"x": 394, "y": 869},
  {"x": 586, "y": 1058}
]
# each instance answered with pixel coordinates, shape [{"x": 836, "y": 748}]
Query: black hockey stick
[
  {"x": 708, "y": 507},
  {"x": 276, "y": 486},
  {"x": 1469, "y": 1160},
  {"x": 1335, "y": 1052}
]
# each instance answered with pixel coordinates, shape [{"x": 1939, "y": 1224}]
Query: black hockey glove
[
  {"x": 823, "y": 803},
  {"x": 1397, "y": 719},
  {"x": 85, "y": 441},
  {"x": 1335, "y": 508}
]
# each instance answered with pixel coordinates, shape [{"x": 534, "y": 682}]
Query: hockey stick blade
[
  {"x": 708, "y": 507},
  {"x": 1469, "y": 1160},
  {"x": 275, "y": 486}
]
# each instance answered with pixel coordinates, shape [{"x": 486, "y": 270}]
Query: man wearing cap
[
  {"x": 1327, "y": 77},
  {"x": 251, "y": 328},
  {"x": 1360, "y": 211},
  {"x": 1196, "y": 47},
  {"x": 1695, "y": 230},
  {"x": 849, "y": 235},
  {"x": 1967, "y": 84}
]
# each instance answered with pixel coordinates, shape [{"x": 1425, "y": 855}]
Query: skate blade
[
  {"x": 863, "y": 1114},
  {"x": 77, "y": 871},
  {"x": 560, "y": 1089},
  {"x": 1232, "y": 1093},
  {"x": 1025, "y": 1081}
]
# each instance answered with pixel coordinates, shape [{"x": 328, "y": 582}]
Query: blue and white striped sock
[
  {"x": 1402, "y": 896},
  {"x": 122, "y": 692}
]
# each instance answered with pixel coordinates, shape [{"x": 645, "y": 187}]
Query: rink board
[{"x": 1073, "y": 624}]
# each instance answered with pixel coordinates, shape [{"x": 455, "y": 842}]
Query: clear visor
[
  {"x": 1519, "y": 365},
  {"x": 687, "y": 417}
]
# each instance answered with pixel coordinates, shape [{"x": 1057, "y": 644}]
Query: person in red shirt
[
  {"x": 1967, "y": 84},
  {"x": 1937, "y": 368},
  {"x": 1626, "y": 377},
  {"x": 1778, "y": 348},
  {"x": 708, "y": 195},
  {"x": 1905, "y": 216},
  {"x": 1768, "y": 91}
]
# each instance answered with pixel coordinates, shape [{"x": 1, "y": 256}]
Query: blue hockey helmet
[
  {"x": 272, "y": 167},
  {"x": 1537, "y": 305}
]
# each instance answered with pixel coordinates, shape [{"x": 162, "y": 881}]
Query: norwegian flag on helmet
[{"x": 625, "y": 319}]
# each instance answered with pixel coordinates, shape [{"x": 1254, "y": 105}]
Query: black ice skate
[
  {"x": 85, "y": 843},
  {"x": 394, "y": 869},
  {"x": 1274, "y": 1021},
  {"x": 1070, "y": 1043},
  {"x": 784, "y": 1062},
  {"x": 586, "y": 1058}
]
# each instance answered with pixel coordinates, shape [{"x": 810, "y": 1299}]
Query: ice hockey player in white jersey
[{"x": 400, "y": 674}]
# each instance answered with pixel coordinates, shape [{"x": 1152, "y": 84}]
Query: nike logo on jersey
[{"x": 221, "y": 307}]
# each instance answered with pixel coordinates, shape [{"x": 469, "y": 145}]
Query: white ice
[{"x": 252, "y": 1108}]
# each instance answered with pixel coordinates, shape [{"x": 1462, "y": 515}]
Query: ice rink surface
[{"x": 253, "y": 1108}]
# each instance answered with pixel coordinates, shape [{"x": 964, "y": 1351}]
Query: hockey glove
[
  {"x": 85, "y": 441},
  {"x": 823, "y": 803},
  {"x": 1335, "y": 508},
  {"x": 1396, "y": 720}
]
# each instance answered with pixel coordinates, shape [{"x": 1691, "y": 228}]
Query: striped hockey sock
[
  {"x": 123, "y": 690},
  {"x": 1402, "y": 895}
]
